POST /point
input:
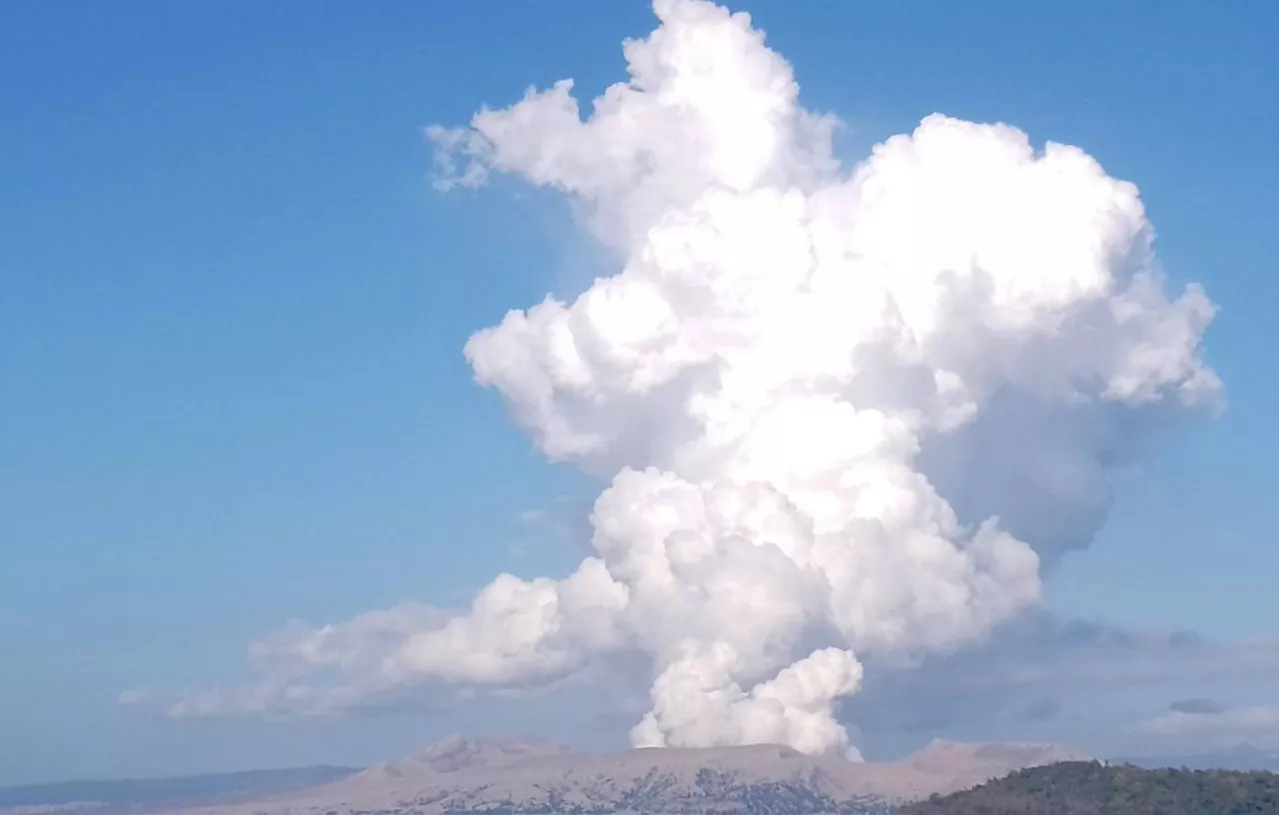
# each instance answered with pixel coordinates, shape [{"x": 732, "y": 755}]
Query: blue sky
[{"x": 232, "y": 310}]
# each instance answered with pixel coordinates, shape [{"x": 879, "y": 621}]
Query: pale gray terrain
[{"x": 518, "y": 775}]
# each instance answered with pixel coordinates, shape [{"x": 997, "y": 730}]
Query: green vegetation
[{"x": 1091, "y": 788}]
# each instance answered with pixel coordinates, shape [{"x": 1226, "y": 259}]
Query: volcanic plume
[{"x": 843, "y": 413}]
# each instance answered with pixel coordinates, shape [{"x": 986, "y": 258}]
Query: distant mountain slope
[
  {"x": 517, "y": 776},
  {"x": 455, "y": 753},
  {"x": 1091, "y": 788},
  {"x": 151, "y": 791}
]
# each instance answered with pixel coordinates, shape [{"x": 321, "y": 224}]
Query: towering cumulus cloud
[{"x": 844, "y": 414}]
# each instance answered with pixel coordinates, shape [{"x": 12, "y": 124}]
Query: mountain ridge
[{"x": 515, "y": 775}]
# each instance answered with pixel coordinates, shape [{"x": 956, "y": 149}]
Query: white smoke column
[{"x": 782, "y": 344}]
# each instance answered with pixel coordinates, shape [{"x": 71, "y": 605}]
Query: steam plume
[{"x": 789, "y": 362}]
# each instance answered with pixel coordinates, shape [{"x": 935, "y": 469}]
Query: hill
[
  {"x": 515, "y": 776},
  {"x": 1091, "y": 788}
]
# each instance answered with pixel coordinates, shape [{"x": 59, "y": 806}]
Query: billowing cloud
[{"x": 844, "y": 415}]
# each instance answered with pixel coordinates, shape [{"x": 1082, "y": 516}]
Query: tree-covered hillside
[{"x": 1091, "y": 788}]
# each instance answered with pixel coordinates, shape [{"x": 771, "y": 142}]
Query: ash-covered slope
[{"x": 513, "y": 776}]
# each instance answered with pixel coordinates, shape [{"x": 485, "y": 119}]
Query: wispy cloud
[
  {"x": 564, "y": 526},
  {"x": 309, "y": 671},
  {"x": 1195, "y": 706},
  {"x": 531, "y": 517}
]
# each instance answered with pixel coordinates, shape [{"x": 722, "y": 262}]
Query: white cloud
[
  {"x": 784, "y": 382},
  {"x": 531, "y": 517}
]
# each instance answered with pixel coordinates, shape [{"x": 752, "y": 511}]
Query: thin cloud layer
[
  {"x": 1256, "y": 725},
  {"x": 1197, "y": 706},
  {"x": 1041, "y": 678},
  {"x": 844, "y": 415}
]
